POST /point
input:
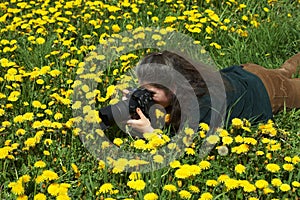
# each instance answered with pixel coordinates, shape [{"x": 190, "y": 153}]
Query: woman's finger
[{"x": 140, "y": 113}]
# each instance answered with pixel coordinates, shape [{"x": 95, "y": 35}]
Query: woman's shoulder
[
  {"x": 236, "y": 72},
  {"x": 233, "y": 68}
]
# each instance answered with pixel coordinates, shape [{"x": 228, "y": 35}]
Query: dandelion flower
[
  {"x": 240, "y": 168},
  {"x": 22, "y": 197},
  {"x": 105, "y": 188},
  {"x": 184, "y": 194},
  {"x": 261, "y": 184},
  {"x": 213, "y": 139},
  {"x": 273, "y": 167},
  {"x": 239, "y": 139},
  {"x": 175, "y": 164},
  {"x": 276, "y": 182},
  {"x": 288, "y": 159},
  {"x": 259, "y": 153},
  {"x": 53, "y": 189},
  {"x": 170, "y": 188},
  {"x": 40, "y": 196},
  {"x": 204, "y": 164},
  {"x": 285, "y": 187},
  {"x": 231, "y": 184},
  {"x": 222, "y": 150},
  {"x": 16, "y": 188},
  {"x": 211, "y": 183},
  {"x": 237, "y": 123},
  {"x": 135, "y": 176},
  {"x": 189, "y": 131},
  {"x": 204, "y": 126},
  {"x": 296, "y": 184},
  {"x": 223, "y": 177},
  {"x": 182, "y": 173},
  {"x": 46, "y": 153},
  {"x": 158, "y": 159},
  {"x": 194, "y": 189},
  {"x": 151, "y": 196},
  {"x": 295, "y": 160},
  {"x": 268, "y": 190},
  {"x": 206, "y": 196},
  {"x": 247, "y": 187},
  {"x": 137, "y": 184},
  {"x": 227, "y": 140},
  {"x": 39, "y": 164},
  {"x": 118, "y": 141},
  {"x": 190, "y": 151},
  {"x": 288, "y": 167},
  {"x": 40, "y": 40},
  {"x": 49, "y": 175}
]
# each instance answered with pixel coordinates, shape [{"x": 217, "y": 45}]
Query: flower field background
[{"x": 43, "y": 46}]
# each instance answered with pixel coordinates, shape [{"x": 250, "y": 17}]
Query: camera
[{"x": 123, "y": 110}]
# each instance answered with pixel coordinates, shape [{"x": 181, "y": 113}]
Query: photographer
[{"x": 252, "y": 92}]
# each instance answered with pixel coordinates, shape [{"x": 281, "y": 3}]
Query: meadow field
[{"x": 46, "y": 48}]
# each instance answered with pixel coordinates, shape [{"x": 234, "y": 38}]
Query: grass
[{"x": 43, "y": 47}]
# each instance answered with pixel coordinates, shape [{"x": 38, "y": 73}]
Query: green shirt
[{"x": 246, "y": 97}]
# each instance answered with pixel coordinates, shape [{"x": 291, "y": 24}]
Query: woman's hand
[{"x": 142, "y": 125}]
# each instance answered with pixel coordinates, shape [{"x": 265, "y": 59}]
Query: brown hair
[{"x": 158, "y": 68}]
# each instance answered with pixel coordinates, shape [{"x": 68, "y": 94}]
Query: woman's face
[{"x": 159, "y": 95}]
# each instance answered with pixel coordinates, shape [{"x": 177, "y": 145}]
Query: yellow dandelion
[
  {"x": 175, "y": 164},
  {"x": 261, "y": 184},
  {"x": 189, "y": 131},
  {"x": 295, "y": 160},
  {"x": 53, "y": 189},
  {"x": 184, "y": 194},
  {"x": 231, "y": 184},
  {"x": 204, "y": 126},
  {"x": 240, "y": 168},
  {"x": 273, "y": 167},
  {"x": 136, "y": 184},
  {"x": 194, "y": 189},
  {"x": 105, "y": 188},
  {"x": 223, "y": 177},
  {"x": 227, "y": 140},
  {"x": 212, "y": 183},
  {"x": 213, "y": 139},
  {"x": 40, "y": 196},
  {"x": 116, "y": 28},
  {"x": 206, "y": 196},
  {"x": 190, "y": 151},
  {"x": 259, "y": 153},
  {"x": 239, "y": 139},
  {"x": 237, "y": 123},
  {"x": 40, "y": 40},
  {"x": 40, "y": 164},
  {"x": 285, "y": 187},
  {"x": 158, "y": 159},
  {"x": 170, "y": 188},
  {"x": 49, "y": 175},
  {"x": 16, "y": 188},
  {"x": 288, "y": 167},
  {"x": 276, "y": 182},
  {"x": 151, "y": 196},
  {"x": 204, "y": 165},
  {"x": 296, "y": 184},
  {"x": 118, "y": 141}
]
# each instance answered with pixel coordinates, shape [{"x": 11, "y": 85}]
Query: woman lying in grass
[{"x": 251, "y": 91}]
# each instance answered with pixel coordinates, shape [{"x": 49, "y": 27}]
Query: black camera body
[{"x": 124, "y": 110}]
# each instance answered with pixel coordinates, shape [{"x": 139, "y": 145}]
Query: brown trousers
[{"x": 283, "y": 90}]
